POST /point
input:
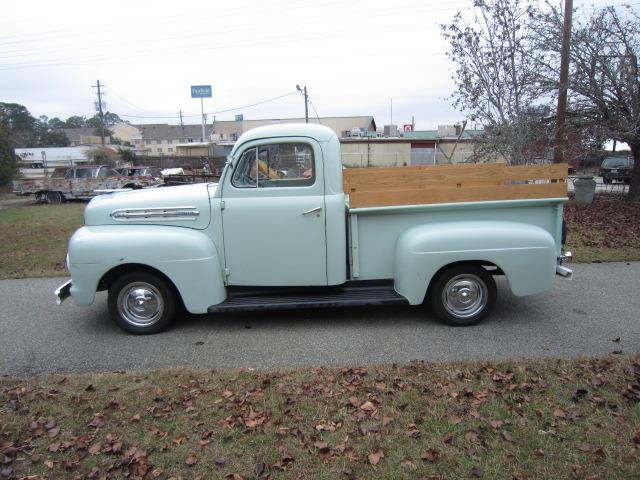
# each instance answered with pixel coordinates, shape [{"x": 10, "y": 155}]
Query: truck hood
[{"x": 180, "y": 206}]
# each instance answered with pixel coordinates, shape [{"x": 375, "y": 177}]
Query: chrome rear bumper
[
  {"x": 564, "y": 272},
  {"x": 63, "y": 292}
]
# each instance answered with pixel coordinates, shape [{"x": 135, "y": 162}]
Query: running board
[{"x": 345, "y": 297}]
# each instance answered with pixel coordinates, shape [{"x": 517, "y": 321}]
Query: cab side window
[{"x": 276, "y": 165}]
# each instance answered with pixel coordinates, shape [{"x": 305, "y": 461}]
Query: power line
[
  {"x": 229, "y": 28},
  {"x": 316, "y": 112},
  {"x": 254, "y": 104},
  {"x": 212, "y": 113},
  {"x": 233, "y": 44},
  {"x": 218, "y": 13},
  {"x": 183, "y": 59}
]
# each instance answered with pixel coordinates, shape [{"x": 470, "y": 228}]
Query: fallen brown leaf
[
  {"x": 476, "y": 472},
  {"x": 95, "y": 448},
  {"x": 179, "y": 440},
  {"x": 407, "y": 465},
  {"x": 496, "y": 423},
  {"x": 559, "y": 413},
  {"x": 506, "y": 435},
  {"x": 471, "y": 436},
  {"x": 367, "y": 406},
  {"x": 374, "y": 458},
  {"x": 431, "y": 455},
  {"x": 234, "y": 476},
  {"x": 191, "y": 459}
]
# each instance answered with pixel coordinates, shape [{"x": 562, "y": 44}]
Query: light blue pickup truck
[{"x": 278, "y": 232}]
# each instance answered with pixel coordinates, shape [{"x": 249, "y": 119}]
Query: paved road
[{"x": 579, "y": 317}]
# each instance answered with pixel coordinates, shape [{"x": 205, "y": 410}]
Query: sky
[{"x": 356, "y": 57}]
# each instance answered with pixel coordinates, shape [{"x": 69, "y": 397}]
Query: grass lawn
[
  {"x": 34, "y": 238},
  {"x": 542, "y": 419},
  {"x": 608, "y": 230}
]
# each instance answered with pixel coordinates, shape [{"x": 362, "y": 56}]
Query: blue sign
[{"x": 200, "y": 91}]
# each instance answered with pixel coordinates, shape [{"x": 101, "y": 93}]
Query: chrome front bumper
[{"x": 63, "y": 292}]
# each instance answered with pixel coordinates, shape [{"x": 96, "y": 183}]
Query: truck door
[{"x": 274, "y": 215}]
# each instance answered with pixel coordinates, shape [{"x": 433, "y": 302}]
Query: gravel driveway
[{"x": 579, "y": 317}]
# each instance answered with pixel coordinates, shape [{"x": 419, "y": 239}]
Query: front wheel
[
  {"x": 141, "y": 303},
  {"x": 463, "y": 295}
]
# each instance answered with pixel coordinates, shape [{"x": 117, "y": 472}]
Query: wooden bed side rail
[{"x": 368, "y": 187}]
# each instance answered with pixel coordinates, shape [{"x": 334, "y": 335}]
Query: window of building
[
  {"x": 170, "y": 149},
  {"x": 147, "y": 142},
  {"x": 276, "y": 165},
  {"x": 159, "y": 150}
]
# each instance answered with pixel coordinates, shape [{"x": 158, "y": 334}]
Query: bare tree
[
  {"x": 604, "y": 89},
  {"x": 496, "y": 82}
]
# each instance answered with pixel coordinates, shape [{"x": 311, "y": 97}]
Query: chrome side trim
[{"x": 155, "y": 213}]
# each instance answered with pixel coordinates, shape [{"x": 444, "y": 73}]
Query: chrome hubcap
[
  {"x": 464, "y": 296},
  {"x": 140, "y": 304}
]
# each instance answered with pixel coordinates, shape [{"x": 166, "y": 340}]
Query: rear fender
[
  {"x": 187, "y": 257},
  {"x": 525, "y": 253}
]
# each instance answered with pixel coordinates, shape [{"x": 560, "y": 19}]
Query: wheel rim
[
  {"x": 465, "y": 295},
  {"x": 140, "y": 304}
]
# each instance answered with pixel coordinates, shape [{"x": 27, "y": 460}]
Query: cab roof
[{"x": 315, "y": 131}]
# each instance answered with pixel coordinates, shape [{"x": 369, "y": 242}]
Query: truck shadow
[{"x": 419, "y": 316}]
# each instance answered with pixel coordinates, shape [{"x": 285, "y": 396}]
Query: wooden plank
[
  {"x": 454, "y": 175},
  {"x": 446, "y": 194}
]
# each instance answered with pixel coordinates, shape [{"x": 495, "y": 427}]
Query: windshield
[{"x": 614, "y": 162}]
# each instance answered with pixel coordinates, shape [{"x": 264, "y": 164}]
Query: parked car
[{"x": 616, "y": 168}]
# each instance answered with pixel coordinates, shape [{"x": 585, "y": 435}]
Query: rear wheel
[
  {"x": 463, "y": 295},
  {"x": 54, "y": 198},
  {"x": 142, "y": 303}
]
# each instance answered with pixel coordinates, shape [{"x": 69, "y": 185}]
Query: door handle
[{"x": 313, "y": 210}]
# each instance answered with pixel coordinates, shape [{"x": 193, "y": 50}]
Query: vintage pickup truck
[{"x": 288, "y": 227}]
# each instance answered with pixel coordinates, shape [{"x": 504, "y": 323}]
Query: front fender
[
  {"x": 187, "y": 257},
  {"x": 525, "y": 253}
]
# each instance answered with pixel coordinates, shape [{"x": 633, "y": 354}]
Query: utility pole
[
  {"x": 98, "y": 86},
  {"x": 181, "y": 125},
  {"x": 306, "y": 102},
  {"x": 561, "y": 124},
  {"x": 204, "y": 116}
]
